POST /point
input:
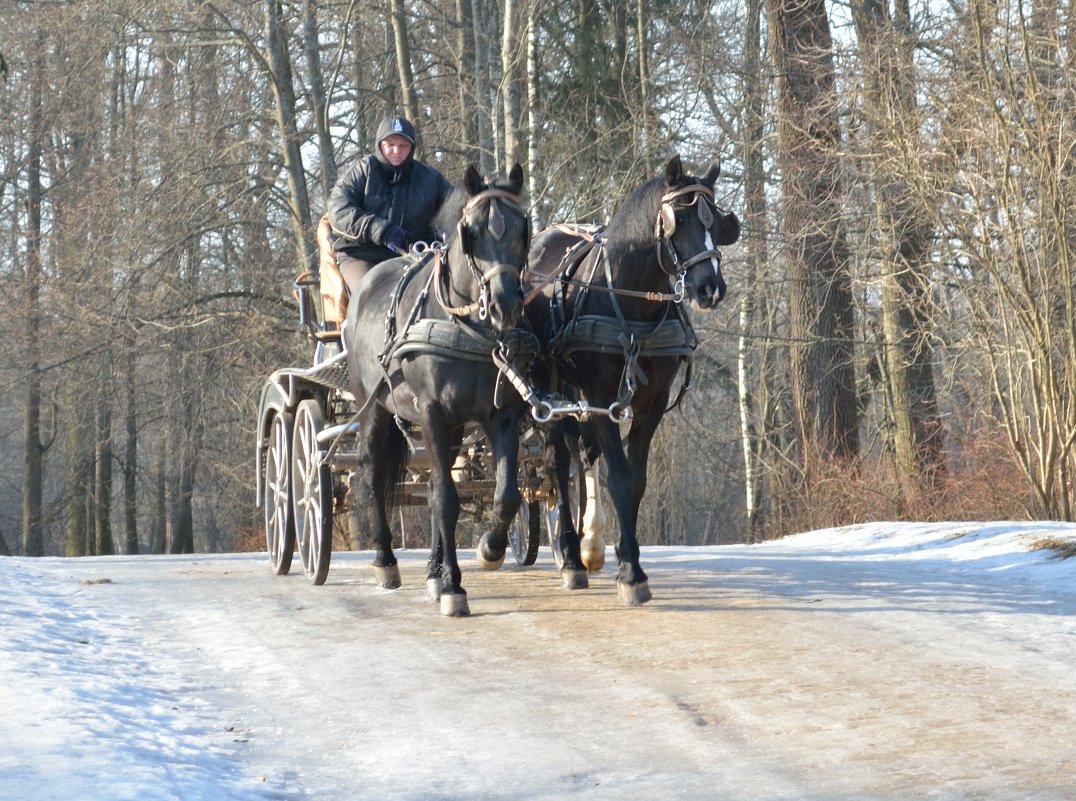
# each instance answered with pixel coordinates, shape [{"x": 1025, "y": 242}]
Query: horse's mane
[
  {"x": 449, "y": 214},
  {"x": 444, "y": 223},
  {"x": 630, "y": 233}
]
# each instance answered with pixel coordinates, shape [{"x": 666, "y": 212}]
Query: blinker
[
  {"x": 496, "y": 221},
  {"x": 706, "y": 217}
]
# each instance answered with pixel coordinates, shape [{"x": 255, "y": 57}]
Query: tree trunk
[
  {"x": 79, "y": 473},
  {"x": 319, "y": 106},
  {"x": 33, "y": 449},
  {"x": 642, "y": 50},
  {"x": 102, "y": 502},
  {"x": 465, "y": 41},
  {"x": 306, "y": 257},
  {"x": 533, "y": 110},
  {"x": 398, "y": 13},
  {"x": 754, "y": 248},
  {"x": 511, "y": 60},
  {"x": 905, "y": 238},
  {"x": 486, "y": 146},
  {"x": 820, "y": 300},
  {"x": 130, "y": 455},
  {"x": 158, "y": 534}
]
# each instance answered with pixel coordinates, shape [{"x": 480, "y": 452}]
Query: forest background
[{"x": 899, "y": 339}]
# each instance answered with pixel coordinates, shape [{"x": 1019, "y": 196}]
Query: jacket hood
[{"x": 400, "y": 126}]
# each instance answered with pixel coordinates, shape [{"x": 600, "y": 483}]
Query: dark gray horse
[{"x": 420, "y": 334}]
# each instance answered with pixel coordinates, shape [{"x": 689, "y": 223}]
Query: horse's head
[
  {"x": 492, "y": 239},
  {"x": 689, "y": 228}
]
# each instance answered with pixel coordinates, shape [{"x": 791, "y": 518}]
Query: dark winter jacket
[{"x": 373, "y": 196}]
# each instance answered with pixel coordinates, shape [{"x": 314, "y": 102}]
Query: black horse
[
  {"x": 419, "y": 336},
  {"x": 608, "y": 307}
]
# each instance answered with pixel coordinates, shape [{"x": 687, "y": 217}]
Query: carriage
[{"x": 389, "y": 392}]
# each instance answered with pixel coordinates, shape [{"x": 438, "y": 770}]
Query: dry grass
[{"x": 1062, "y": 548}]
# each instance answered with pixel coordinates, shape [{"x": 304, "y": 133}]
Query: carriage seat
[
  {"x": 334, "y": 291},
  {"x": 329, "y": 283}
]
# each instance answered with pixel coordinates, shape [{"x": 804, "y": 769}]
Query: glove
[{"x": 397, "y": 239}]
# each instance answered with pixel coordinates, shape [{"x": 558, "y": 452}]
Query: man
[{"x": 385, "y": 202}]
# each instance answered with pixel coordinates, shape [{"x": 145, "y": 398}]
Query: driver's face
[{"x": 395, "y": 149}]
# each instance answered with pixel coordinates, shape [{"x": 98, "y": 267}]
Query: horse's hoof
[
  {"x": 487, "y": 562},
  {"x": 388, "y": 576},
  {"x": 433, "y": 589},
  {"x": 455, "y": 605},
  {"x": 574, "y": 579},
  {"x": 633, "y": 594},
  {"x": 593, "y": 557}
]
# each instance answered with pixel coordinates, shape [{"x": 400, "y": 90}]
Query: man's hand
[{"x": 397, "y": 240}]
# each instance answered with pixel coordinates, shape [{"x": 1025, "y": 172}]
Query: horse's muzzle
[
  {"x": 710, "y": 293},
  {"x": 506, "y": 309}
]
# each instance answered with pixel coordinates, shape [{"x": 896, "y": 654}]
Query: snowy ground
[{"x": 933, "y": 661}]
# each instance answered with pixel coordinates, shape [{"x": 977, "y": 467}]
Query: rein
[{"x": 592, "y": 237}]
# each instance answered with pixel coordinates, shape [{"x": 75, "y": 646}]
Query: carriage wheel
[
  {"x": 312, "y": 490},
  {"x": 576, "y": 493},
  {"x": 525, "y": 533},
  {"x": 276, "y": 497}
]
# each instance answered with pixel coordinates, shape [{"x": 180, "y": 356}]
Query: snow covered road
[{"x": 873, "y": 662}]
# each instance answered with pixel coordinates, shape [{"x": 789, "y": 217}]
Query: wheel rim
[
  {"x": 276, "y": 503},
  {"x": 312, "y": 492},
  {"x": 524, "y": 533},
  {"x": 552, "y": 512}
]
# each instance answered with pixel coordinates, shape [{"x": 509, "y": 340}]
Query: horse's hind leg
[
  {"x": 385, "y": 447},
  {"x": 595, "y": 525},
  {"x": 573, "y": 574},
  {"x": 504, "y": 439}
]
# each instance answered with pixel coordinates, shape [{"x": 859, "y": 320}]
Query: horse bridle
[
  {"x": 496, "y": 227},
  {"x": 665, "y": 226}
]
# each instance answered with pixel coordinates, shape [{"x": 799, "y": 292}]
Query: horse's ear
[
  {"x": 712, "y": 174},
  {"x": 472, "y": 181},
  {"x": 674, "y": 171},
  {"x": 516, "y": 178}
]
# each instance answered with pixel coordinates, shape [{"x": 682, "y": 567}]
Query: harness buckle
[
  {"x": 680, "y": 287},
  {"x": 483, "y": 301}
]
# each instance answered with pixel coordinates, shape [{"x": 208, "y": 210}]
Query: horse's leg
[
  {"x": 559, "y": 453},
  {"x": 595, "y": 525},
  {"x": 631, "y": 582},
  {"x": 640, "y": 436},
  {"x": 383, "y": 449},
  {"x": 503, "y": 434},
  {"x": 444, "y": 503}
]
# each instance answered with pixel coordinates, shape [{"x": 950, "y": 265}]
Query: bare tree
[
  {"x": 398, "y": 14},
  {"x": 280, "y": 74},
  {"x": 905, "y": 235},
  {"x": 34, "y": 446}
]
